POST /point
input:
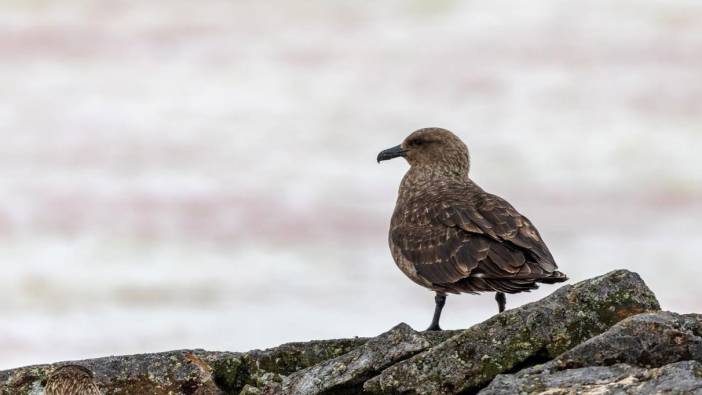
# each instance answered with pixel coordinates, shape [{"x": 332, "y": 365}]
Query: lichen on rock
[
  {"x": 677, "y": 378},
  {"x": 353, "y": 368},
  {"x": 639, "y": 349},
  {"x": 571, "y": 338},
  {"x": 516, "y": 338}
]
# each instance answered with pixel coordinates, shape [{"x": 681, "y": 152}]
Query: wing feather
[{"x": 467, "y": 240}]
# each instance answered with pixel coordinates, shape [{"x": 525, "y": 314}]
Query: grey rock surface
[
  {"x": 646, "y": 340},
  {"x": 636, "y": 346},
  {"x": 676, "y": 378},
  {"x": 186, "y": 371},
  {"x": 550, "y": 342},
  {"x": 195, "y": 372},
  {"x": 352, "y": 369},
  {"x": 260, "y": 367},
  {"x": 521, "y": 337}
]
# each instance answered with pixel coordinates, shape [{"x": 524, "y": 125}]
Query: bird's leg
[
  {"x": 501, "y": 301},
  {"x": 440, "y": 300}
]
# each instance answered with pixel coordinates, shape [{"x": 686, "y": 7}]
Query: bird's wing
[{"x": 449, "y": 238}]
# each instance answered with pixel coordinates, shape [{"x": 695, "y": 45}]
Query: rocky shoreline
[{"x": 602, "y": 335}]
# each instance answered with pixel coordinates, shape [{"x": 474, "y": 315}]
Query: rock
[
  {"x": 294, "y": 357},
  {"x": 646, "y": 340},
  {"x": 353, "y": 368},
  {"x": 521, "y": 337},
  {"x": 250, "y": 390},
  {"x": 650, "y": 340},
  {"x": 647, "y": 350},
  {"x": 191, "y": 372},
  {"x": 176, "y": 371},
  {"x": 677, "y": 378},
  {"x": 260, "y": 367}
]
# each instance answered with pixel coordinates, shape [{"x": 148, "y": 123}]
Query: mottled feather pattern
[
  {"x": 459, "y": 238},
  {"x": 71, "y": 380}
]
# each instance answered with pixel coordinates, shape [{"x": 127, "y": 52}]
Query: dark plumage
[
  {"x": 71, "y": 380},
  {"x": 450, "y": 236}
]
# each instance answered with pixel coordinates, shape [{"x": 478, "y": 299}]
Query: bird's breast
[{"x": 406, "y": 266}]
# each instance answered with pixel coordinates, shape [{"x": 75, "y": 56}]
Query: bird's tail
[
  {"x": 510, "y": 285},
  {"x": 553, "y": 277}
]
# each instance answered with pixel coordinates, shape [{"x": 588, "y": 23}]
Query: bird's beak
[{"x": 390, "y": 153}]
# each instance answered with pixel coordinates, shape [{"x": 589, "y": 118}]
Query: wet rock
[
  {"x": 349, "y": 371},
  {"x": 531, "y": 334},
  {"x": 676, "y": 378}
]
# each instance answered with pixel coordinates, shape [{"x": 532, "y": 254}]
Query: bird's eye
[{"x": 416, "y": 143}]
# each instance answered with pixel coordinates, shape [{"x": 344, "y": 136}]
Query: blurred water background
[{"x": 179, "y": 174}]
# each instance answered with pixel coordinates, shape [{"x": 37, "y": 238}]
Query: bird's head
[
  {"x": 431, "y": 147},
  {"x": 72, "y": 371}
]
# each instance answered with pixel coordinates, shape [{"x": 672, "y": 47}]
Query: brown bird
[
  {"x": 71, "y": 380},
  {"x": 450, "y": 236}
]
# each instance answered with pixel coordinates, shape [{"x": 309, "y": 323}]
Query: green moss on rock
[
  {"x": 402, "y": 360},
  {"x": 517, "y": 337}
]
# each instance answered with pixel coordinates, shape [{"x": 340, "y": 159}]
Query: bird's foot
[{"x": 434, "y": 327}]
